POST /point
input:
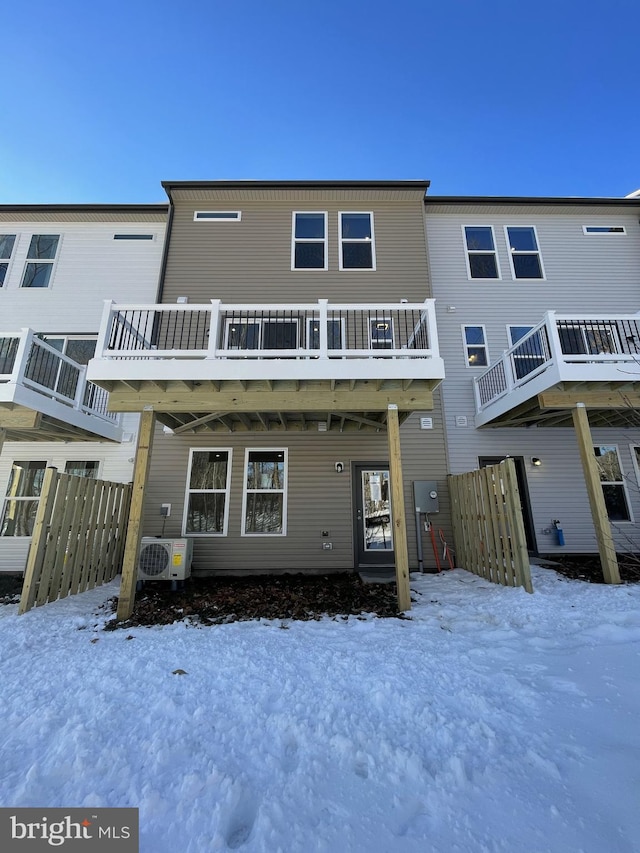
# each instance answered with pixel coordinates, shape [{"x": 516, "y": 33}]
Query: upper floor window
[
  {"x": 604, "y": 229},
  {"x": 40, "y": 259},
  {"x": 357, "y": 241},
  {"x": 217, "y": 216},
  {"x": 530, "y": 354},
  {"x": 475, "y": 345},
  {"x": 482, "y": 259},
  {"x": 524, "y": 253},
  {"x": 7, "y": 242},
  {"x": 309, "y": 241}
]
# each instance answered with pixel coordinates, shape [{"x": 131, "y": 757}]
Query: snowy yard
[{"x": 493, "y": 720}]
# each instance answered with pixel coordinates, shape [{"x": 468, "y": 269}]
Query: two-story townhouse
[
  {"x": 537, "y": 303},
  {"x": 295, "y": 330},
  {"x": 58, "y": 263}
]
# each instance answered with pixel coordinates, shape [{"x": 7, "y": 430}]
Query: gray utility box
[{"x": 425, "y": 496}]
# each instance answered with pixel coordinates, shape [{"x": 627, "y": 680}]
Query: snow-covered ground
[{"x": 492, "y": 720}]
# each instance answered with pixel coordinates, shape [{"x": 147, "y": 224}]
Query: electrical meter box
[{"x": 425, "y": 496}]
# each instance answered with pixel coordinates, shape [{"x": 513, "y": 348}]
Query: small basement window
[
  {"x": 217, "y": 216},
  {"x": 604, "y": 229}
]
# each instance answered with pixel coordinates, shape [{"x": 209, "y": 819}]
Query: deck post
[
  {"x": 398, "y": 510},
  {"x": 601, "y": 523},
  {"x": 127, "y": 596}
]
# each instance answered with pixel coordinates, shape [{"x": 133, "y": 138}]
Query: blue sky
[{"x": 102, "y": 101}]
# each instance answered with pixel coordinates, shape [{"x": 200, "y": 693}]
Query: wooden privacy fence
[
  {"x": 78, "y": 537},
  {"x": 487, "y": 525}
]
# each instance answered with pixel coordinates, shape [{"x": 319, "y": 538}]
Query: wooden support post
[
  {"x": 601, "y": 523},
  {"x": 127, "y": 596},
  {"x": 398, "y": 510}
]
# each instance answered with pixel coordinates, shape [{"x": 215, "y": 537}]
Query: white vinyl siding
[{"x": 579, "y": 273}]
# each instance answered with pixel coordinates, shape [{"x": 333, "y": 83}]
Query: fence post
[{"x": 38, "y": 541}]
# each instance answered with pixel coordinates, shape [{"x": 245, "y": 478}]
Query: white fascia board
[{"x": 274, "y": 369}]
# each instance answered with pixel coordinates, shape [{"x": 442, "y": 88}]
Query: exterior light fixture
[{"x": 536, "y": 462}]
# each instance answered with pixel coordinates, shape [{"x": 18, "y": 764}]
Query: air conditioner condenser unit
[{"x": 164, "y": 559}]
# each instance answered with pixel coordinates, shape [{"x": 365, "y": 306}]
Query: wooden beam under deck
[
  {"x": 605, "y": 399},
  {"x": 19, "y": 418},
  {"x": 316, "y": 397}
]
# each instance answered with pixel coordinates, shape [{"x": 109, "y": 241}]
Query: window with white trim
[
  {"x": 217, "y": 216},
  {"x": 357, "y": 241},
  {"x": 309, "y": 240},
  {"x": 7, "y": 243},
  {"x": 22, "y": 497},
  {"x": 41, "y": 257},
  {"x": 603, "y": 229},
  {"x": 475, "y": 346},
  {"x": 612, "y": 480},
  {"x": 524, "y": 253},
  {"x": 264, "y": 499},
  {"x": 381, "y": 333},
  {"x": 482, "y": 258},
  {"x": 529, "y": 355},
  {"x": 207, "y": 500},
  {"x": 335, "y": 333},
  {"x": 82, "y": 468}
]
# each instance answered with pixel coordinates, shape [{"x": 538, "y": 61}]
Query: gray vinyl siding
[
  {"x": 318, "y": 498},
  {"x": 250, "y": 261},
  {"x": 583, "y": 274}
]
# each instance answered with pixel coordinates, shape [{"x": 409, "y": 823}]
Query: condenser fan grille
[{"x": 154, "y": 559}]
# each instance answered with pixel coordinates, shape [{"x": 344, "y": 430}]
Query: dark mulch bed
[
  {"x": 212, "y": 601},
  {"x": 586, "y": 567}
]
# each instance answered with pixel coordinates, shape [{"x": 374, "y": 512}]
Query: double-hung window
[
  {"x": 41, "y": 257},
  {"x": 482, "y": 258},
  {"x": 208, "y": 482},
  {"x": 264, "y": 499},
  {"x": 7, "y": 242},
  {"x": 529, "y": 355},
  {"x": 612, "y": 479},
  {"x": 524, "y": 253},
  {"x": 357, "y": 241},
  {"x": 309, "y": 241},
  {"x": 22, "y": 498},
  {"x": 475, "y": 346}
]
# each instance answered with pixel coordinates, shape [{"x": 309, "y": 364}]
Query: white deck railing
[
  {"x": 29, "y": 362},
  {"x": 271, "y": 331},
  {"x": 570, "y": 346}
]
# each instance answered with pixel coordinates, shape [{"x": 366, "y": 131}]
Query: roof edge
[
  {"x": 531, "y": 200},
  {"x": 288, "y": 185},
  {"x": 102, "y": 208}
]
